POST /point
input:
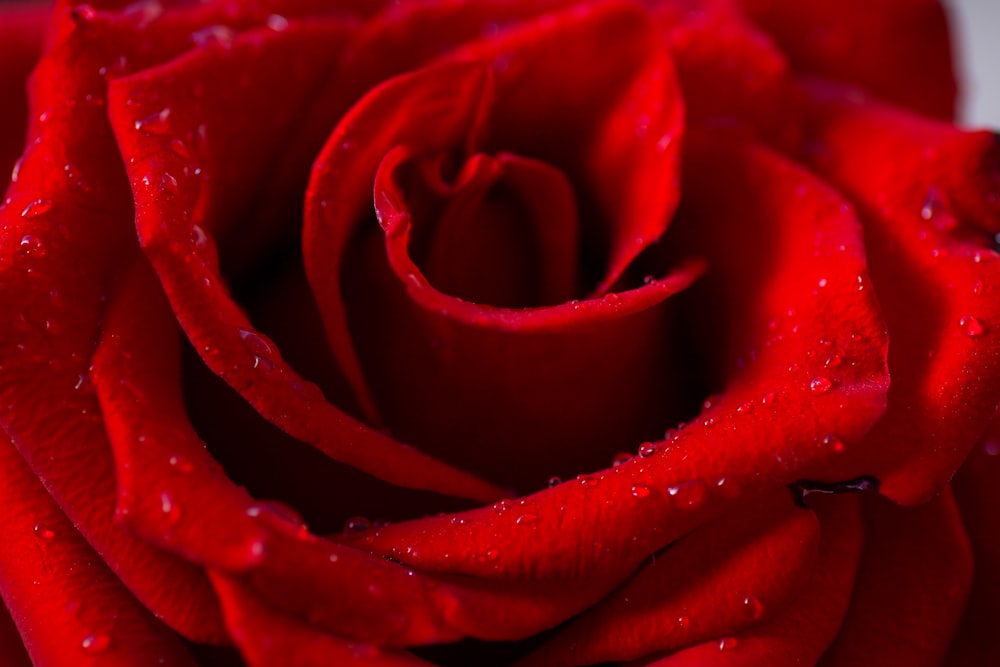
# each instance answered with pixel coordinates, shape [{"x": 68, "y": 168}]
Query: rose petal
[
  {"x": 791, "y": 270},
  {"x": 706, "y": 38},
  {"x": 21, "y": 28},
  {"x": 179, "y": 208},
  {"x": 929, "y": 195},
  {"x": 741, "y": 569},
  {"x": 910, "y": 589},
  {"x": 802, "y": 631},
  {"x": 69, "y": 607},
  {"x": 268, "y": 638},
  {"x": 897, "y": 49},
  {"x": 978, "y": 496}
]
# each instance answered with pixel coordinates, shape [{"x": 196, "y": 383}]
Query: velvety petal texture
[{"x": 512, "y": 332}]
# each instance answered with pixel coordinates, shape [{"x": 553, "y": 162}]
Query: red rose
[{"x": 384, "y": 269}]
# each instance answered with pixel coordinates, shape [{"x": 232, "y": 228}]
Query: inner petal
[{"x": 504, "y": 232}]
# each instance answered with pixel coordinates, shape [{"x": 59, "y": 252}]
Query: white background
[{"x": 975, "y": 25}]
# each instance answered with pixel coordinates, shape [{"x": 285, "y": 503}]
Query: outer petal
[
  {"x": 269, "y": 638},
  {"x": 897, "y": 49},
  {"x": 719, "y": 580},
  {"x": 799, "y": 634},
  {"x": 70, "y": 609},
  {"x": 910, "y": 589},
  {"x": 929, "y": 196},
  {"x": 21, "y": 27}
]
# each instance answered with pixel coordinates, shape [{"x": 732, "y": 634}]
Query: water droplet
[
  {"x": 526, "y": 518},
  {"x": 833, "y": 443},
  {"x": 977, "y": 287},
  {"x": 259, "y": 348},
  {"x": 554, "y": 481},
  {"x": 214, "y": 34},
  {"x": 16, "y": 171},
  {"x": 181, "y": 149},
  {"x": 278, "y": 516},
  {"x": 31, "y": 245},
  {"x": 588, "y": 481},
  {"x": 820, "y": 385},
  {"x": 36, "y": 208},
  {"x": 169, "y": 184},
  {"x": 744, "y": 408},
  {"x": 277, "y": 23},
  {"x": 710, "y": 401},
  {"x": 709, "y": 422},
  {"x": 647, "y": 449},
  {"x": 620, "y": 458},
  {"x": 157, "y": 123},
  {"x": 728, "y": 643},
  {"x": 43, "y": 533},
  {"x": 169, "y": 508},
  {"x": 180, "y": 464},
  {"x": 356, "y": 524},
  {"x": 823, "y": 282},
  {"x": 753, "y": 607},
  {"x": 769, "y": 398},
  {"x": 688, "y": 495},
  {"x": 95, "y": 642},
  {"x": 491, "y": 554},
  {"x": 832, "y": 361},
  {"x": 199, "y": 237},
  {"x": 640, "y": 491},
  {"x": 972, "y": 327},
  {"x": 684, "y": 622}
]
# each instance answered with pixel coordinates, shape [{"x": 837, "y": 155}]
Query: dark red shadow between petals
[{"x": 910, "y": 589}]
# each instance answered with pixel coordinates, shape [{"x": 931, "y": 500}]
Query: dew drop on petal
[
  {"x": 833, "y": 443},
  {"x": 31, "y": 245},
  {"x": 526, "y": 519},
  {"x": 640, "y": 491},
  {"x": 647, "y": 449},
  {"x": 820, "y": 385},
  {"x": 43, "y": 533},
  {"x": 554, "y": 481},
  {"x": 769, "y": 398},
  {"x": 36, "y": 208},
  {"x": 180, "y": 464},
  {"x": 356, "y": 524},
  {"x": 744, "y": 408},
  {"x": 157, "y": 123},
  {"x": 977, "y": 287},
  {"x": 169, "y": 508},
  {"x": 971, "y": 326},
  {"x": 95, "y": 642},
  {"x": 753, "y": 607},
  {"x": 619, "y": 459},
  {"x": 688, "y": 495},
  {"x": 728, "y": 643},
  {"x": 16, "y": 171}
]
